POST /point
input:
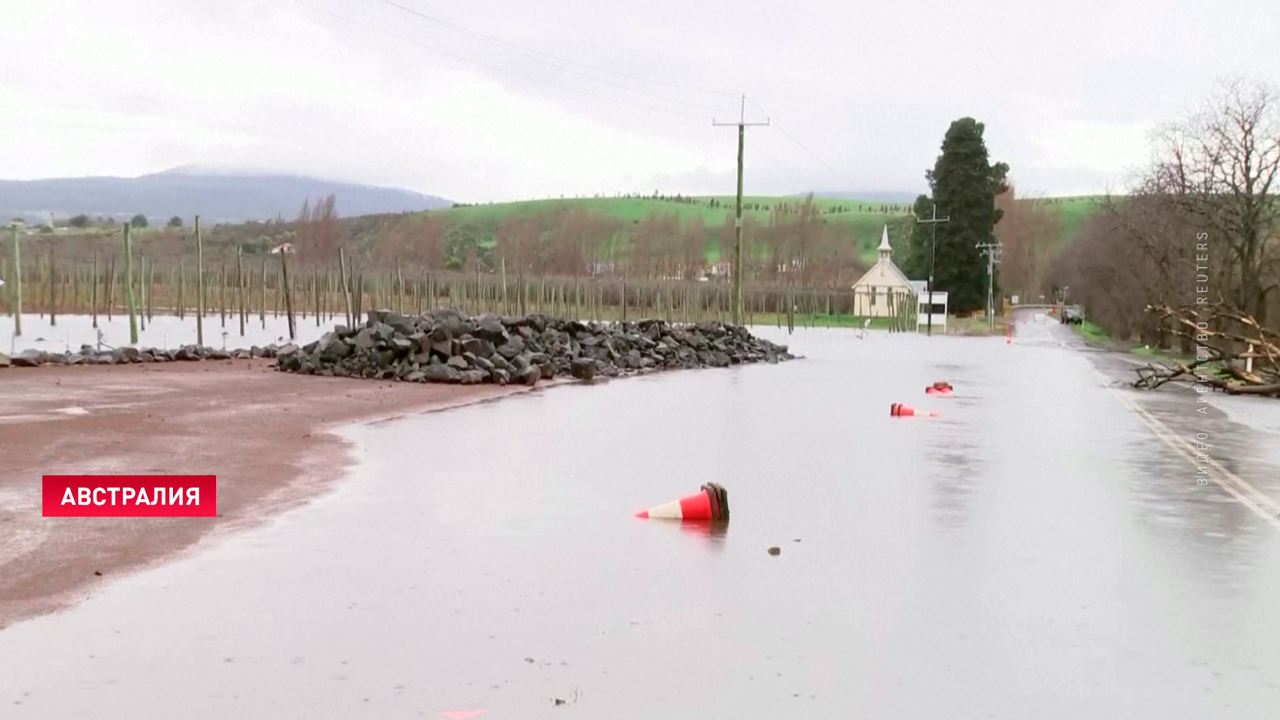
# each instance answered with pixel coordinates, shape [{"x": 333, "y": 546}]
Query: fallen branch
[{"x": 1255, "y": 371}]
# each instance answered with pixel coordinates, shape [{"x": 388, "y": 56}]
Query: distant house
[
  {"x": 724, "y": 268},
  {"x": 883, "y": 291}
]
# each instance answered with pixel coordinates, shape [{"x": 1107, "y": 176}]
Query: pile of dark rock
[
  {"x": 89, "y": 355},
  {"x": 449, "y": 346}
]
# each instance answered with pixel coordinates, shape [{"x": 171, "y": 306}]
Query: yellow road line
[{"x": 1252, "y": 498}]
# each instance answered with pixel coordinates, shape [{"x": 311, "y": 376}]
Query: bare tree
[{"x": 1219, "y": 166}]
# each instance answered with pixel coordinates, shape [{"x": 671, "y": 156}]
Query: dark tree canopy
[
  {"x": 915, "y": 260},
  {"x": 175, "y": 222},
  {"x": 139, "y": 221},
  {"x": 965, "y": 185},
  {"x": 79, "y": 221}
]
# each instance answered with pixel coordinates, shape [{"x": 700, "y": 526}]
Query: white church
[{"x": 884, "y": 289}]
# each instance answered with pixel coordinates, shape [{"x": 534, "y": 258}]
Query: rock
[
  {"x": 775, "y": 550},
  {"x": 445, "y": 345},
  {"x": 489, "y": 327},
  {"x": 583, "y": 368},
  {"x": 5, "y": 361},
  {"x": 29, "y": 358},
  {"x": 472, "y": 377},
  {"x": 365, "y": 339},
  {"x": 442, "y": 373},
  {"x": 512, "y": 347},
  {"x": 530, "y": 375}
]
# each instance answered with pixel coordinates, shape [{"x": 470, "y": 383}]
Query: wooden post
[
  {"x": 182, "y": 300},
  {"x": 199, "y": 286},
  {"x": 315, "y": 289},
  {"x": 506, "y": 310},
  {"x": 93, "y": 301},
  {"x": 142, "y": 291},
  {"x": 17, "y": 284},
  {"x": 346, "y": 286},
  {"x": 222, "y": 295},
  {"x": 151, "y": 289},
  {"x": 53, "y": 290},
  {"x": 128, "y": 287},
  {"x": 262, "y": 298},
  {"x": 240, "y": 285},
  {"x": 288, "y": 294},
  {"x": 111, "y": 288}
]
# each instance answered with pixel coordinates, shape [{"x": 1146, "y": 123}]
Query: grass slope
[{"x": 864, "y": 218}]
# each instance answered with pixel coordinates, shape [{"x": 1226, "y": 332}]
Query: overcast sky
[{"x": 505, "y": 99}]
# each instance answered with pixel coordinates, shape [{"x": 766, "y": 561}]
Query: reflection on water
[
  {"x": 1000, "y": 560},
  {"x": 712, "y": 530}
]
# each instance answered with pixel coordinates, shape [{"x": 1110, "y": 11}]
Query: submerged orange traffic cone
[
  {"x": 941, "y": 387},
  {"x": 900, "y": 410},
  {"x": 709, "y": 503}
]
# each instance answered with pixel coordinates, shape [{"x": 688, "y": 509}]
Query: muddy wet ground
[{"x": 1037, "y": 551}]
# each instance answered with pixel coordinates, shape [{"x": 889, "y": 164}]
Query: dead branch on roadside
[{"x": 1234, "y": 353}]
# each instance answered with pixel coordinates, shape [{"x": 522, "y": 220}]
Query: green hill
[{"x": 864, "y": 218}]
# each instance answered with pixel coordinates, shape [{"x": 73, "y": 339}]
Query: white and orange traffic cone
[
  {"x": 900, "y": 410},
  {"x": 709, "y": 503}
]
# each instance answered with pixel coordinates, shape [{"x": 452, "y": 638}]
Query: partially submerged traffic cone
[
  {"x": 1008, "y": 335},
  {"x": 941, "y": 387},
  {"x": 711, "y": 502},
  {"x": 900, "y": 410}
]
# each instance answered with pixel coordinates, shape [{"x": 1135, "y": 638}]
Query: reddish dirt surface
[{"x": 263, "y": 433}]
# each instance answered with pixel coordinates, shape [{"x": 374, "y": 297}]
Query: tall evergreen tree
[
  {"x": 965, "y": 185},
  {"x": 914, "y": 258}
]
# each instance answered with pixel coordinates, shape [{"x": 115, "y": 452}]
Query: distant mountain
[
  {"x": 188, "y": 191},
  {"x": 888, "y": 196}
]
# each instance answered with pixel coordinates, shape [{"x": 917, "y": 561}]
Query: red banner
[{"x": 130, "y": 495}]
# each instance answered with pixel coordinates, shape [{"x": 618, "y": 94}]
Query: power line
[
  {"x": 799, "y": 144},
  {"x": 553, "y": 61},
  {"x": 494, "y": 68},
  {"x": 475, "y": 33}
]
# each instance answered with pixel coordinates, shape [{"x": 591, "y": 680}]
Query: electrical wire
[
  {"x": 493, "y": 68},
  {"x": 553, "y": 61}
]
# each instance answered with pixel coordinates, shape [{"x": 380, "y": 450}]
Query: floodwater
[
  {"x": 165, "y": 332},
  {"x": 1034, "y": 552}
]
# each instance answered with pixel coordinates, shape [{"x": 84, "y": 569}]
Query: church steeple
[{"x": 885, "y": 250}]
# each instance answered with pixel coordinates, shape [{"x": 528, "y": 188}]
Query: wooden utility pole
[
  {"x": 992, "y": 251},
  {"x": 933, "y": 241},
  {"x": 742, "y": 125}
]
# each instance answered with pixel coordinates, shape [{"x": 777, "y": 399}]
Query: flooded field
[
  {"x": 1034, "y": 552},
  {"x": 165, "y": 332}
]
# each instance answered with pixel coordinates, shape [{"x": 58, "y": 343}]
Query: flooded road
[{"x": 1037, "y": 551}]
